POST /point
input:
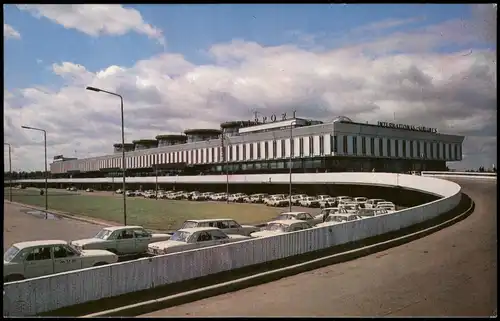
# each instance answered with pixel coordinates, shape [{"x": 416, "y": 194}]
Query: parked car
[
  {"x": 335, "y": 219},
  {"x": 73, "y": 189},
  {"x": 176, "y": 196},
  {"x": 297, "y": 198},
  {"x": 119, "y": 191},
  {"x": 89, "y": 190},
  {"x": 369, "y": 212},
  {"x": 237, "y": 198},
  {"x": 309, "y": 202},
  {"x": 227, "y": 225},
  {"x": 281, "y": 227},
  {"x": 343, "y": 199},
  {"x": 322, "y": 197},
  {"x": 371, "y": 203},
  {"x": 360, "y": 200},
  {"x": 121, "y": 240},
  {"x": 277, "y": 201},
  {"x": 193, "y": 238},
  {"x": 149, "y": 194},
  {"x": 301, "y": 216},
  {"x": 389, "y": 206},
  {"x": 198, "y": 197},
  {"x": 26, "y": 260},
  {"x": 258, "y": 198},
  {"x": 351, "y": 207},
  {"x": 219, "y": 197},
  {"x": 328, "y": 202}
]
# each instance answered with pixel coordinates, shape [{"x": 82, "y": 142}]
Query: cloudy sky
[{"x": 185, "y": 66}]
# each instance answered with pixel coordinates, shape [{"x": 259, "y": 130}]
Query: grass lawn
[{"x": 154, "y": 214}]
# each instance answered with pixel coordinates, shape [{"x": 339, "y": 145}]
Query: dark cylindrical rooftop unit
[
  {"x": 145, "y": 144},
  {"x": 171, "y": 139},
  {"x": 129, "y": 147},
  {"x": 198, "y": 135}
]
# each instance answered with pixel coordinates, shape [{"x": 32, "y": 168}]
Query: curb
[
  {"x": 265, "y": 277},
  {"x": 68, "y": 216}
]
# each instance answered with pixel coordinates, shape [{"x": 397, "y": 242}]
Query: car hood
[
  {"x": 266, "y": 233},
  {"x": 166, "y": 244},
  {"x": 84, "y": 242},
  {"x": 89, "y": 253}
]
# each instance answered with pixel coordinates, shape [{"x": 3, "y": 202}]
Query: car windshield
[
  {"x": 336, "y": 218},
  {"x": 275, "y": 227},
  {"x": 189, "y": 224},
  {"x": 74, "y": 248},
  {"x": 180, "y": 236},
  {"x": 103, "y": 235},
  {"x": 10, "y": 254}
]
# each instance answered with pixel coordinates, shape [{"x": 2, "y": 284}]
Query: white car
[
  {"x": 237, "y": 198},
  {"x": 301, "y": 216},
  {"x": 335, "y": 219},
  {"x": 198, "y": 197},
  {"x": 149, "y": 194},
  {"x": 328, "y": 202},
  {"x": 38, "y": 258},
  {"x": 371, "y": 203},
  {"x": 119, "y": 191},
  {"x": 352, "y": 208},
  {"x": 309, "y": 202},
  {"x": 342, "y": 199},
  {"x": 89, "y": 190},
  {"x": 73, "y": 189},
  {"x": 121, "y": 240},
  {"x": 281, "y": 227},
  {"x": 369, "y": 212},
  {"x": 219, "y": 197},
  {"x": 130, "y": 193},
  {"x": 277, "y": 201},
  {"x": 193, "y": 238},
  {"x": 322, "y": 197},
  {"x": 258, "y": 198},
  {"x": 389, "y": 206},
  {"x": 176, "y": 196},
  {"x": 226, "y": 225},
  {"x": 297, "y": 198},
  {"x": 360, "y": 200}
]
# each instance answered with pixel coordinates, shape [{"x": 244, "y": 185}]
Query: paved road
[
  {"x": 20, "y": 226},
  {"x": 449, "y": 273}
]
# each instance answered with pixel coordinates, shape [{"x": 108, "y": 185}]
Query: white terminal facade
[{"x": 258, "y": 146}]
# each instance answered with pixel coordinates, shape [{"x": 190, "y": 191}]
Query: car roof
[
  {"x": 23, "y": 245},
  {"x": 198, "y": 229},
  {"x": 211, "y": 220},
  {"x": 114, "y": 228},
  {"x": 285, "y": 222}
]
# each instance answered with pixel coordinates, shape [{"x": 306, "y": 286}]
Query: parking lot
[{"x": 24, "y": 224}]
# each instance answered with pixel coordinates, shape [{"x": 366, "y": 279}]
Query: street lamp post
[
  {"x": 10, "y": 172},
  {"x": 46, "y": 173},
  {"x": 124, "y": 167},
  {"x": 293, "y": 122}
]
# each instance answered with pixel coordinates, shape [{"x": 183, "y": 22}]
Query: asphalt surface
[
  {"x": 24, "y": 224},
  {"x": 449, "y": 273}
]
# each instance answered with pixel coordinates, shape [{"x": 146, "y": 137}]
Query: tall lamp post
[
  {"x": 124, "y": 167},
  {"x": 293, "y": 122},
  {"x": 46, "y": 173},
  {"x": 10, "y": 172},
  {"x": 226, "y": 152}
]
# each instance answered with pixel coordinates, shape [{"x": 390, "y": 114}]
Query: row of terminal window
[{"x": 416, "y": 150}]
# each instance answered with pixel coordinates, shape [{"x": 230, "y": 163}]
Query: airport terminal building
[{"x": 269, "y": 146}]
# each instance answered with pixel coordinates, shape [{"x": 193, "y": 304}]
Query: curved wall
[{"x": 60, "y": 290}]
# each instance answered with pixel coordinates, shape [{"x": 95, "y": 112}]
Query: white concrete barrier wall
[
  {"x": 465, "y": 175},
  {"x": 48, "y": 293}
]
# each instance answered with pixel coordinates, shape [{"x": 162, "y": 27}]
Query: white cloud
[
  {"x": 10, "y": 33},
  {"x": 97, "y": 19},
  {"x": 455, "y": 92}
]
